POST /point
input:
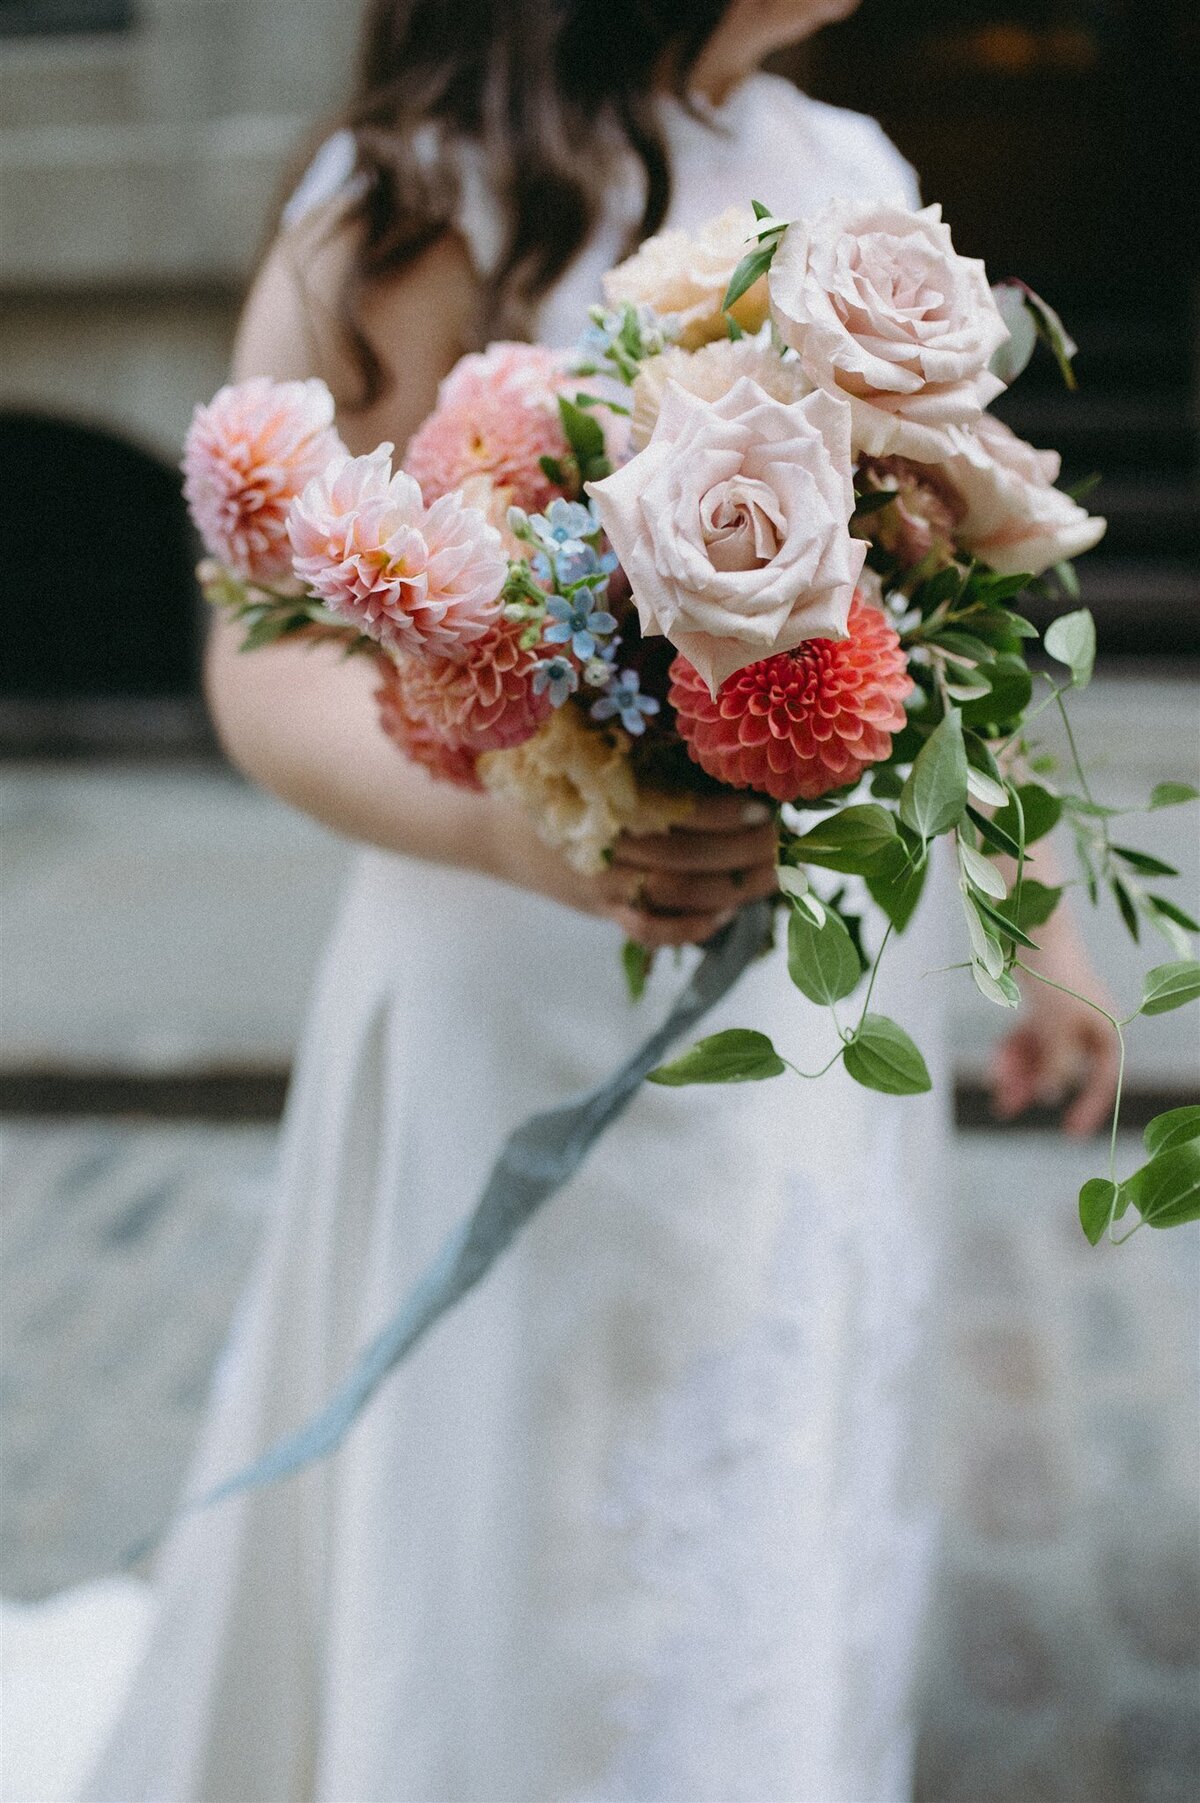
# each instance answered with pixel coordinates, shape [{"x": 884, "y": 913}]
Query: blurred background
[{"x": 161, "y": 921}]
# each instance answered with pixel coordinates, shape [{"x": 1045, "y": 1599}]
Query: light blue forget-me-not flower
[{"x": 624, "y": 698}]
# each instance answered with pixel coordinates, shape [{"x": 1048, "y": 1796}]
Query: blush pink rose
[
  {"x": 414, "y": 578},
  {"x": 247, "y": 455},
  {"x": 882, "y": 309},
  {"x": 732, "y": 525},
  {"x": 1015, "y": 520},
  {"x": 683, "y": 276}
]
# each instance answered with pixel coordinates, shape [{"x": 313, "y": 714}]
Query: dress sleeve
[{"x": 479, "y": 217}]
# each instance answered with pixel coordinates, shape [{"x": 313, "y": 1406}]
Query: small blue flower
[
  {"x": 577, "y": 566},
  {"x": 600, "y": 670},
  {"x": 578, "y": 624},
  {"x": 624, "y": 697},
  {"x": 557, "y": 675},
  {"x": 566, "y": 527},
  {"x": 539, "y": 563}
]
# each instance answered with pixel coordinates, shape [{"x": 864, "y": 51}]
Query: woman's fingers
[
  {"x": 674, "y": 892},
  {"x": 716, "y": 850},
  {"x": 656, "y": 931},
  {"x": 1097, "y": 1091}
]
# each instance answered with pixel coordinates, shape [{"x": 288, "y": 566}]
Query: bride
[{"x": 649, "y": 1517}]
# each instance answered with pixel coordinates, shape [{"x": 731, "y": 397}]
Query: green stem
[
  {"x": 1116, "y": 1026},
  {"x": 874, "y": 973},
  {"x": 812, "y": 1076}
]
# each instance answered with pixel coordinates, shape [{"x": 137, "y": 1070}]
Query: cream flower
[
  {"x": 578, "y": 787},
  {"x": 732, "y": 525},
  {"x": 685, "y": 275},
  {"x": 709, "y": 373},
  {"x": 882, "y": 308},
  {"x": 1015, "y": 519}
]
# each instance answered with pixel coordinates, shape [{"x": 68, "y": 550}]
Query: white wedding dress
[{"x": 648, "y": 1518}]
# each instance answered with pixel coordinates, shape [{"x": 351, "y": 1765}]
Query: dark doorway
[{"x": 101, "y": 598}]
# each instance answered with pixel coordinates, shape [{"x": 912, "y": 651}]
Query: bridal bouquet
[{"x": 759, "y": 532}]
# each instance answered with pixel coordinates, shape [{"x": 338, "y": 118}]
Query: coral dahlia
[
  {"x": 803, "y": 722},
  {"x": 444, "y": 711},
  {"x": 410, "y": 731}
]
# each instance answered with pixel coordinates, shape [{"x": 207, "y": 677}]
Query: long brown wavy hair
[{"x": 549, "y": 90}]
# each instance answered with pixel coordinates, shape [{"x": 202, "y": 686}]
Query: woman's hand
[
  {"x": 674, "y": 888},
  {"x": 1063, "y": 1049}
]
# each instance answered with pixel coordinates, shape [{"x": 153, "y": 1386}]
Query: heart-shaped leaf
[
  {"x": 1071, "y": 640},
  {"x": 850, "y": 841},
  {"x": 935, "y": 795},
  {"x": 735, "y": 1056},
  {"x": 1097, "y": 1207},
  {"x": 1170, "y": 986},
  {"x": 883, "y": 1057},
  {"x": 1172, "y": 795},
  {"x": 1174, "y": 1128},
  {"x": 822, "y": 961},
  {"x": 1166, "y": 1192}
]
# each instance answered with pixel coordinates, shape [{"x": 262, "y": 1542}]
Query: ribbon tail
[{"x": 536, "y": 1161}]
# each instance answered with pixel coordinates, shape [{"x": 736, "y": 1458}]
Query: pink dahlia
[
  {"x": 247, "y": 456},
  {"x": 802, "y": 722},
  {"x": 409, "y": 729},
  {"x": 527, "y": 372},
  {"x": 483, "y": 701},
  {"x": 414, "y": 578},
  {"x": 496, "y": 416}
]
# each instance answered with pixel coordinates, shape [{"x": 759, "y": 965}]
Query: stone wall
[{"x": 137, "y": 172}]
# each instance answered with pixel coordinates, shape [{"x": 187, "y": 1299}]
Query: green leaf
[
  {"x": 1079, "y": 491},
  {"x": 1172, "y": 795},
  {"x": 1071, "y": 640},
  {"x": 1068, "y": 580},
  {"x": 980, "y": 872},
  {"x": 872, "y": 501},
  {"x": 993, "y": 835},
  {"x": 987, "y": 954},
  {"x": 584, "y": 434},
  {"x": 1040, "y": 810},
  {"x": 754, "y": 264},
  {"x": 735, "y": 1056},
  {"x": 553, "y": 469},
  {"x": 986, "y": 789},
  {"x": 1174, "y": 1128},
  {"x": 636, "y": 962},
  {"x": 822, "y": 961},
  {"x": 1003, "y": 923},
  {"x": 850, "y": 841},
  {"x": 1143, "y": 863},
  {"x": 1014, "y": 354},
  {"x": 897, "y": 879},
  {"x": 1170, "y": 986},
  {"x": 1171, "y": 911},
  {"x": 1126, "y": 908},
  {"x": 1000, "y": 989},
  {"x": 882, "y": 1056},
  {"x": 1166, "y": 1192},
  {"x": 1011, "y": 688},
  {"x": 760, "y": 210},
  {"x": 934, "y": 798},
  {"x": 1097, "y": 1206},
  {"x": 1031, "y": 905}
]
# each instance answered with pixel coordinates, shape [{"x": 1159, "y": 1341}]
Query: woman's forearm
[{"x": 301, "y": 721}]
